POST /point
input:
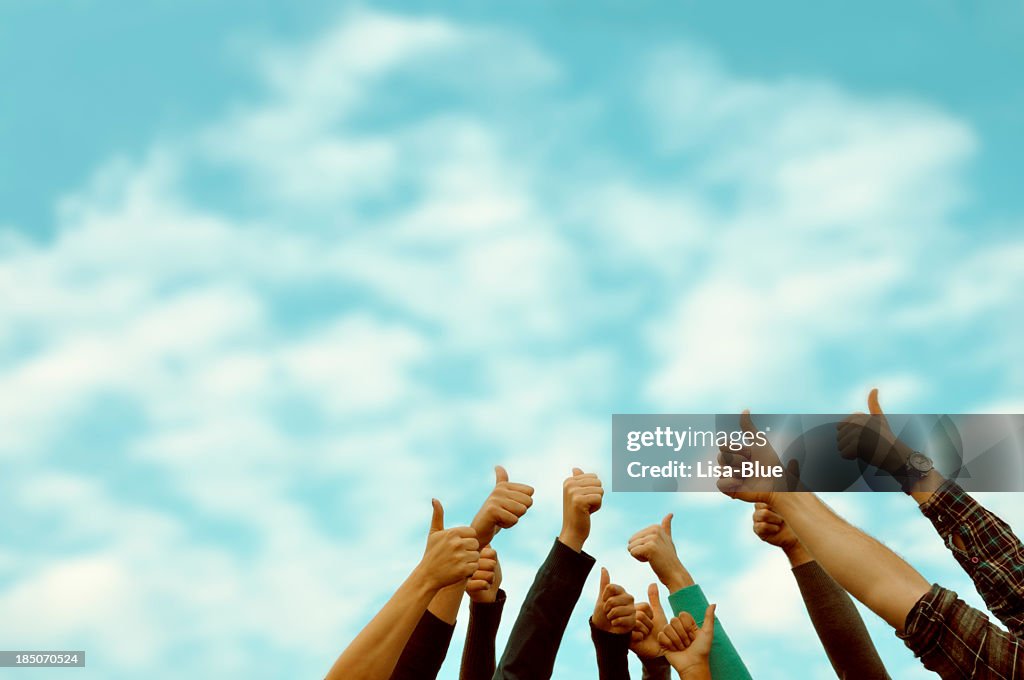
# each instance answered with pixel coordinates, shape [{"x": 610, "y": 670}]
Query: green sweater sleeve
[{"x": 726, "y": 663}]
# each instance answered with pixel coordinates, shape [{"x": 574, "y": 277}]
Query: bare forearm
[
  {"x": 676, "y": 577},
  {"x": 485, "y": 530},
  {"x": 865, "y": 568},
  {"x": 445, "y": 604},
  {"x": 375, "y": 651}
]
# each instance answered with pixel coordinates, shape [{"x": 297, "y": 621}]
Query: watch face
[{"x": 919, "y": 462}]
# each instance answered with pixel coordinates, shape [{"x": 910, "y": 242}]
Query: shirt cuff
[
  {"x": 691, "y": 600},
  {"x": 617, "y": 642},
  {"x": 565, "y": 564},
  {"x": 924, "y": 625},
  {"x": 434, "y": 626},
  {"x": 948, "y": 505},
  {"x": 487, "y": 613}
]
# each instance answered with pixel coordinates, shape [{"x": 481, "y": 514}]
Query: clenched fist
[
  {"x": 771, "y": 528},
  {"x": 483, "y": 585},
  {"x": 452, "y": 555},
  {"x": 504, "y": 506},
  {"x": 581, "y": 497},
  {"x": 654, "y": 545},
  {"x": 614, "y": 611}
]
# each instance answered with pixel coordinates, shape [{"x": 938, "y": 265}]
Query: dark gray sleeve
[
  {"x": 839, "y": 625},
  {"x": 478, "y": 654},
  {"x": 612, "y": 651},
  {"x": 537, "y": 633},
  {"x": 425, "y": 651}
]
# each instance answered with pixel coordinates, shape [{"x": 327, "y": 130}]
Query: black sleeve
[
  {"x": 612, "y": 651},
  {"x": 425, "y": 651},
  {"x": 478, "y": 654},
  {"x": 657, "y": 668},
  {"x": 838, "y": 625},
  {"x": 537, "y": 633}
]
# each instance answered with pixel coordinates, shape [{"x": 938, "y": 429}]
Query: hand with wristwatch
[{"x": 869, "y": 437}]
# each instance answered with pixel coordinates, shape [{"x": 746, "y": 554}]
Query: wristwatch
[{"x": 918, "y": 465}]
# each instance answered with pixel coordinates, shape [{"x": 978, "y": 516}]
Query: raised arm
[
  {"x": 611, "y": 628},
  {"x": 487, "y": 600},
  {"x": 428, "y": 645},
  {"x": 537, "y": 633},
  {"x": 654, "y": 545},
  {"x": 451, "y": 556},
  {"x": 983, "y": 545},
  {"x": 835, "y": 618}
]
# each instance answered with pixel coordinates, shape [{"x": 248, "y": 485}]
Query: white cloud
[{"x": 410, "y": 308}]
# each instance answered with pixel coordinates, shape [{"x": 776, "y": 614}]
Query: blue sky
[{"x": 273, "y": 277}]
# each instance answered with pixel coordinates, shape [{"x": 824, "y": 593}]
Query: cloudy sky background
[{"x": 271, "y": 278}]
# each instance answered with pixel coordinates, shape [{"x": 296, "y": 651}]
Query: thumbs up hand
[
  {"x": 654, "y": 545},
  {"x": 688, "y": 647},
  {"x": 451, "y": 555},
  {"x": 614, "y": 611},
  {"x": 581, "y": 497},
  {"x": 505, "y": 505},
  {"x": 869, "y": 437},
  {"x": 650, "y": 620}
]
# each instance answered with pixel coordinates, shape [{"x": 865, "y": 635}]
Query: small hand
[
  {"x": 686, "y": 646},
  {"x": 614, "y": 611},
  {"x": 581, "y": 497},
  {"x": 483, "y": 585},
  {"x": 655, "y": 546},
  {"x": 451, "y": 555},
  {"x": 650, "y": 619},
  {"x": 504, "y": 507}
]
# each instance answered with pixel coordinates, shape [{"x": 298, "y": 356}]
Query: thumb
[
  {"x": 576, "y": 472},
  {"x": 437, "y": 521},
  {"x": 500, "y": 474},
  {"x": 873, "y": 406},
  {"x": 746, "y": 423},
  {"x": 709, "y": 620},
  {"x": 666, "y": 524},
  {"x": 655, "y": 599},
  {"x": 605, "y": 580}
]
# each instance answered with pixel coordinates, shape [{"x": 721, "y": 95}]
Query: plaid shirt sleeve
[
  {"x": 957, "y": 641},
  {"x": 992, "y": 556}
]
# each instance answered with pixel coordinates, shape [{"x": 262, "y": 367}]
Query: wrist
[
  {"x": 797, "y": 554},
  {"x": 485, "y": 531},
  {"x": 698, "y": 671},
  {"x": 923, "y": 488},
  {"x": 676, "y": 578},
  {"x": 790, "y": 501},
  {"x": 572, "y": 538},
  {"x": 421, "y": 582}
]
